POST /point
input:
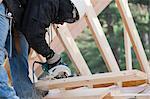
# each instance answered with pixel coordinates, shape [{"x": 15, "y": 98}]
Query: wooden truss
[{"x": 76, "y": 87}]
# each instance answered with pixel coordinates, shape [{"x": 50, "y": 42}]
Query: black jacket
[
  {"x": 33, "y": 16},
  {"x": 38, "y": 16}
]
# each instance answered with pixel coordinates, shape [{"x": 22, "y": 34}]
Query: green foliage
[
  {"x": 140, "y": 2},
  {"x": 111, "y": 22}
]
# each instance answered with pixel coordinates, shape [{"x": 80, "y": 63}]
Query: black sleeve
[
  {"x": 37, "y": 17},
  {"x": 34, "y": 31},
  {"x": 36, "y": 38}
]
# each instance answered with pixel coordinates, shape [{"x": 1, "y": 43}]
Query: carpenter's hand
[
  {"x": 54, "y": 61},
  {"x": 1, "y": 1}
]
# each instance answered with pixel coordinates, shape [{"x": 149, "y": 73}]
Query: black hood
[{"x": 66, "y": 12}]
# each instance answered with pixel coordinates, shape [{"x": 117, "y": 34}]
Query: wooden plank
[
  {"x": 72, "y": 50},
  {"x": 100, "y": 5},
  {"x": 96, "y": 93},
  {"x": 132, "y": 96},
  {"x": 94, "y": 97},
  {"x": 104, "y": 78},
  {"x": 135, "y": 90},
  {"x": 100, "y": 38},
  {"x": 147, "y": 90},
  {"x": 133, "y": 34},
  {"x": 128, "y": 54},
  {"x": 39, "y": 70},
  {"x": 125, "y": 84},
  {"x": 131, "y": 92},
  {"x": 116, "y": 92},
  {"x": 30, "y": 54}
]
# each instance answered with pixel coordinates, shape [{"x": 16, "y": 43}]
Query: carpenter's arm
[
  {"x": 36, "y": 19},
  {"x": 35, "y": 35},
  {"x": 1, "y": 1}
]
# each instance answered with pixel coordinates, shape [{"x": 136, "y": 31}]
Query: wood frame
[
  {"x": 131, "y": 36},
  {"x": 81, "y": 93},
  {"x": 92, "y": 80},
  {"x": 100, "y": 38},
  {"x": 128, "y": 54},
  {"x": 101, "y": 93}
]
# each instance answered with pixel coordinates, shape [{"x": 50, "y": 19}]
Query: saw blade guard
[{"x": 60, "y": 71}]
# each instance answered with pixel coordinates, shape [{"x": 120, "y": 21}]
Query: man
[
  {"x": 6, "y": 92},
  {"x": 38, "y": 16},
  {"x": 31, "y": 17}
]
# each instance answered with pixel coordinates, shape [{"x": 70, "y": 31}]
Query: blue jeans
[
  {"x": 6, "y": 92},
  {"x": 19, "y": 68}
]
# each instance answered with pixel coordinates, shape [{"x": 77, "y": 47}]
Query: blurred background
[{"x": 111, "y": 22}]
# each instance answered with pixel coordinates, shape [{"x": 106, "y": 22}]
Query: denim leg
[
  {"x": 19, "y": 70},
  {"x": 6, "y": 92}
]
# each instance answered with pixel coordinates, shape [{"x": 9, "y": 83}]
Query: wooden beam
[
  {"x": 35, "y": 57},
  {"x": 83, "y": 93},
  {"x": 128, "y": 54},
  {"x": 133, "y": 34},
  {"x": 116, "y": 92},
  {"x": 132, "y": 96},
  {"x": 100, "y": 38},
  {"x": 73, "y": 51},
  {"x": 90, "y": 97},
  {"x": 104, "y": 78},
  {"x": 30, "y": 54},
  {"x": 135, "y": 90},
  {"x": 131, "y": 92},
  {"x": 100, "y": 5},
  {"x": 147, "y": 90}
]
